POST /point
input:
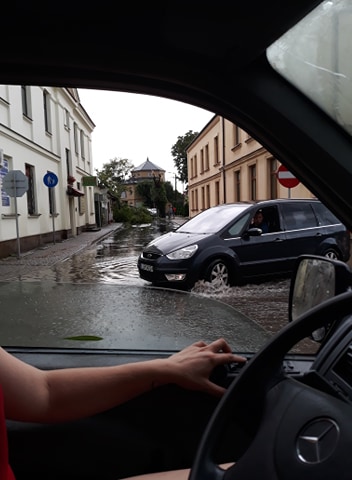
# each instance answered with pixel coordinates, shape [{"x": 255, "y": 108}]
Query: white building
[{"x": 45, "y": 129}]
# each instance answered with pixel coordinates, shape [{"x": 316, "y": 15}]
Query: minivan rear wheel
[{"x": 218, "y": 273}]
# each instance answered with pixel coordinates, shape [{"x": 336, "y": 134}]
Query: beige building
[
  {"x": 147, "y": 171},
  {"x": 227, "y": 165}
]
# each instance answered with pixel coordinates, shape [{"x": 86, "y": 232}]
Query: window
[
  {"x": 206, "y": 159},
  {"x": 217, "y": 193},
  {"x": 272, "y": 166},
  {"x": 47, "y": 111},
  {"x": 298, "y": 216},
  {"x": 237, "y": 186},
  {"x": 203, "y": 198},
  {"x": 253, "y": 182},
  {"x": 68, "y": 162},
  {"x": 208, "y": 196},
  {"x": 325, "y": 216},
  {"x": 82, "y": 145},
  {"x": 216, "y": 151},
  {"x": 66, "y": 119},
  {"x": 31, "y": 201},
  {"x": 75, "y": 136},
  {"x": 26, "y": 97},
  {"x": 202, "y": 160},
  {"x": 236, "y": 135}
]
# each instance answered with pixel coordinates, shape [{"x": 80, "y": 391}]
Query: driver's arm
[{"x": 35, "y": 395}]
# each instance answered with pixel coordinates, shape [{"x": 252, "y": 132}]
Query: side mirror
[
  {"x": 254, "y": 232},
  {"x": 316, "y": 279}
]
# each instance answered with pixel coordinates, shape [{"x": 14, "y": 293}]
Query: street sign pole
[
  {"x": 15, "y": 184},
  {"x": 17, "y": 226},
  {"x": 51, "y": 191},
  {"x": 50, "y": 180}
]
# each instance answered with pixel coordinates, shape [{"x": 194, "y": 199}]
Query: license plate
[{"x": 147, "y": 268}]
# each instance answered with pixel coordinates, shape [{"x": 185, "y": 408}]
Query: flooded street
[
  {"x": 96, "y": 271},
  {"x": 114, "y": 261}
]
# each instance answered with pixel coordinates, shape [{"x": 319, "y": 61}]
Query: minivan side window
[
  {"x": 325, "y": 216},
  {"x": 298, "y": 215},
  {"x": 236, "y": 229}
]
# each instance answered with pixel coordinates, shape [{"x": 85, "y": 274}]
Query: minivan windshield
[{"x": 213, "y": 219}]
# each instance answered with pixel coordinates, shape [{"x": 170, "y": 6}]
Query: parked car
[
  {"x": 282, "y": 72},
  {"x": 153, "y": 211},
  {"x": 223, "y": 246}
]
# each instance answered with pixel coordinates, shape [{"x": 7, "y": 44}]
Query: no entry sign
[{"x": 286, "y": 178}]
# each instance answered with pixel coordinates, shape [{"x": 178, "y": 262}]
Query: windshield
[
  {"x": 212, "y": 220},
  {"x": 77, "y": 260}
]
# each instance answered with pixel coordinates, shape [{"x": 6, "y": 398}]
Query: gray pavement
[
  {"x": 14, "y": 267},
  {"x": 50, "y": 254}
]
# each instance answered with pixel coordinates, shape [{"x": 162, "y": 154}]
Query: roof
[{"x": 148, "y": 166}]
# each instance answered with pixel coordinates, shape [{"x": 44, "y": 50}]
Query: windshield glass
[
  {"x": 315, "y": 56},
  {"x": 212, "y": 220}
]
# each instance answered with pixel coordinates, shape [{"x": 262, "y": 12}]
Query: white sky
[{"x": 136, "y": 126}]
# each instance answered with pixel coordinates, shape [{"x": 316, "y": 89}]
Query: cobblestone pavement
[{"x": 50, "y": 254}]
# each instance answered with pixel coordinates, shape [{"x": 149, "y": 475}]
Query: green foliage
[
  {"x": 179, "y": 154},
  {"x": 159, "y": 197},
  {"x": 145, "y": 190},
  {"x": 113, "y": 174},
  {"x": 154, "y": 195},
  {"x": 131, "y": 215}
]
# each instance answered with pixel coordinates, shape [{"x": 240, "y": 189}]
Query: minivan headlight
[{"x": 183, "y": 253}]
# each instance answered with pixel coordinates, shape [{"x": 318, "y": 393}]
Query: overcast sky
[{"x": 135, "y": 127}]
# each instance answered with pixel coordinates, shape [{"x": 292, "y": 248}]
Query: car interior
[{"x": 285, "y": 415}]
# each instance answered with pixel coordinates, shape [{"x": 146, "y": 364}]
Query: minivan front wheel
[
  {"x": 218, "y": 273},
  {"x": 331, "y": 253}
]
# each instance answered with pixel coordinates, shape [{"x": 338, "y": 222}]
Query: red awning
[{"x": 74, "y": 192}]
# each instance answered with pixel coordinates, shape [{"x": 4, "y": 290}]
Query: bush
[{"x": 132, "y": 215}]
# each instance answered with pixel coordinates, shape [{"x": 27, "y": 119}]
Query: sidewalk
[{"x": 51, "y": 253}]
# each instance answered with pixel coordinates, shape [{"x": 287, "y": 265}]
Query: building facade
[
  {"x": 227, "y": 165},
  {"x": 44, "y": 133},
  {"x": 147, "y": 171}
]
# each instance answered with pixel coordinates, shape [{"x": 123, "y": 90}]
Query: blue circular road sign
[{"x": 50, "y": 179}]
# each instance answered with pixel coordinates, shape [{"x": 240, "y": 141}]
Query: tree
[
  {"x": 145, "y": 190},
  {"x": 113, "y": 174},
  {"x": 178, "y": 151}
]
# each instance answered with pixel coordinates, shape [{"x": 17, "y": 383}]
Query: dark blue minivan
[{"x": 223, "y": 244}]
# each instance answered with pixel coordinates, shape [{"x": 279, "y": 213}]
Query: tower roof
[{"x": 148, "y": 166}]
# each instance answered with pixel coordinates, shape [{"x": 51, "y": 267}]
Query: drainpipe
[{"x": 223, "y": 158}]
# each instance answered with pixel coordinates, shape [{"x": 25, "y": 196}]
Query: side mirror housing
[{"x": 315, "y": 279}]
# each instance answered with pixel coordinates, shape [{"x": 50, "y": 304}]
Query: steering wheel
[{"x": 299, "y": 432}]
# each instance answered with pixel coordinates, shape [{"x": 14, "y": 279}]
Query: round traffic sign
[
  {"x": 286, "y": 178},
  {"x": 50, "y": 179},
  {"x": 15, "y": 183}
]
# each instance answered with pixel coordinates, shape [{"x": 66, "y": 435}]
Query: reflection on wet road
[
  {"x": 48, "y": 314},
  {"x": 113, "y": 260}
]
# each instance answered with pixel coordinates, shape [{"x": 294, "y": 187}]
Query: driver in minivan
[{"x": 259, "y": 222}]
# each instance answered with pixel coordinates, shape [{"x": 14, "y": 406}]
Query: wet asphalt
[{"x": 52, "y": 253}]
